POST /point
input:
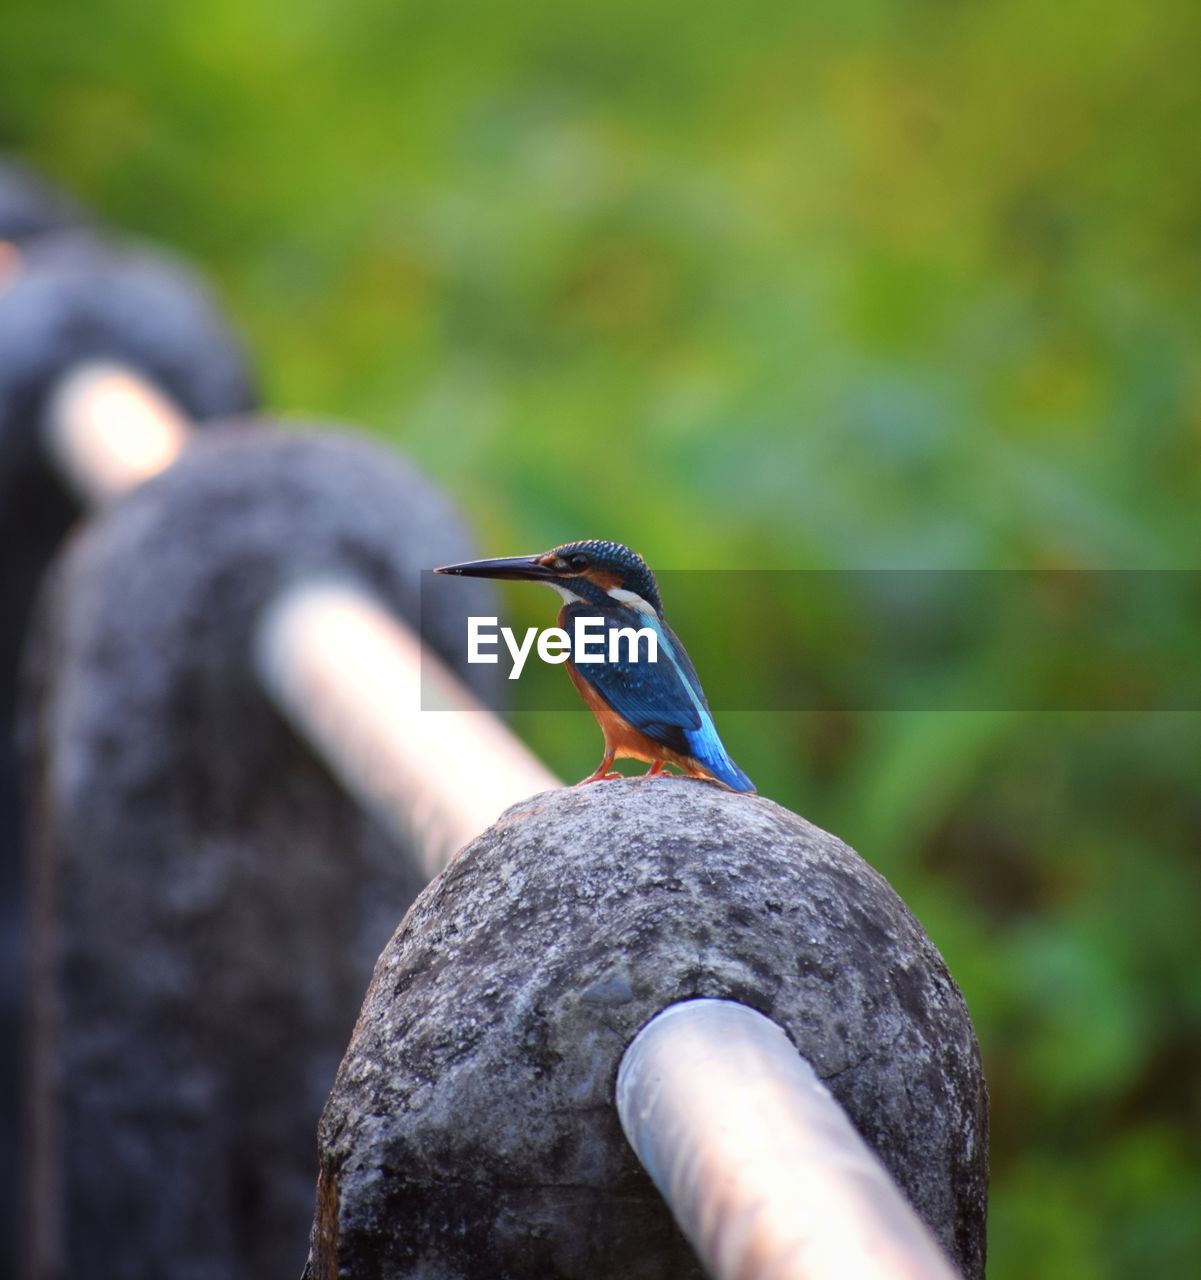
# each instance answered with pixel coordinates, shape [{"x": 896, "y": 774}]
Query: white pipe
[
  {"x": 108, "y": 429},
  {"x": 763, "y": 1171},
  {"x": 404, "y": 735}
]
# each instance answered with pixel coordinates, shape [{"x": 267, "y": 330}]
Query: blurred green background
[{"x": 851, "y": 284}]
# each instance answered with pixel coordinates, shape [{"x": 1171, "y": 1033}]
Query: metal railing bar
[{"x": 761, "y": 1167}]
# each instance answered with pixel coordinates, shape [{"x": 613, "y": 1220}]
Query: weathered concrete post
[
  {"x": 472, "y": 1130},
  {"x": 67, "y": 298},
  {"x": 210, "y": 901}
]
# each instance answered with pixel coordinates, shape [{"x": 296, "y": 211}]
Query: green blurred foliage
[{"x": 853, "y": 284}]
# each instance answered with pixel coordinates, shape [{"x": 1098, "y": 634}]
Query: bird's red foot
[
  {"x": 656, "y": 771},
  {"x": 602, "y": 773}
]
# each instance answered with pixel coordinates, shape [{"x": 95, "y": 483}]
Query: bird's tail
[{"x": 725, "y": 770}]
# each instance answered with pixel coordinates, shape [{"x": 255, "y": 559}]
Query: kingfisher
[{"x": 650, "y": 711}]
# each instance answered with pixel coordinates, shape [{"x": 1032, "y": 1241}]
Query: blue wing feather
[
  {"x": 653, "y": 697},
  {"x": 664, "y": 699}
]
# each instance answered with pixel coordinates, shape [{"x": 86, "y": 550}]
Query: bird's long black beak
[{"x": 519, "y": 568}]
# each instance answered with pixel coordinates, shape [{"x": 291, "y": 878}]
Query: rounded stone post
[
  {"x": 67, "y": 298},
  {"x": 210, "y": 901},
  {"x": 472, "y": 1131}
]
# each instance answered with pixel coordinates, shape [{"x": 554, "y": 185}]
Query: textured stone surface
[
  {"x": 71, "y": 298},
  {"x": 471, "y": 1131},
  {"x": 211, "y": 903}
]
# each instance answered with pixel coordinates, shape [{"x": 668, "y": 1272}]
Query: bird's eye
[{"x": 578, "y": 561}]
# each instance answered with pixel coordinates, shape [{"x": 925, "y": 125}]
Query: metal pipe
[
  {"x": 108, "y": 429},
  {"x": 761, "y": 1167},
  {"x": 403, "y": 734}
]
